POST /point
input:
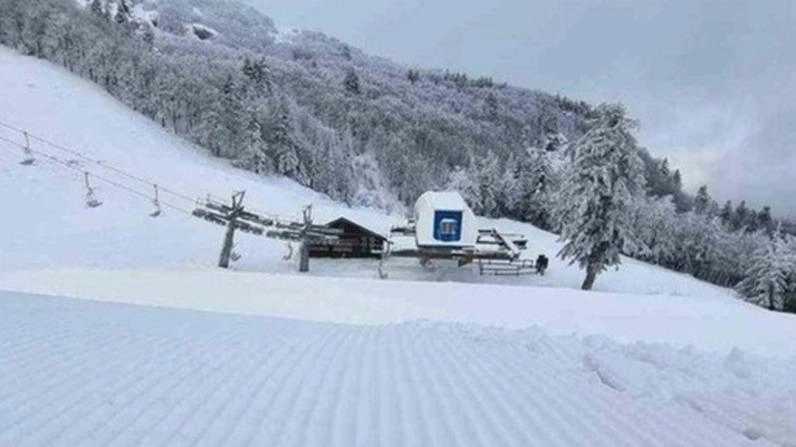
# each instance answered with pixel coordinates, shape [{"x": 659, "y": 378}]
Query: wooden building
[{"x": 355, "y": 241}]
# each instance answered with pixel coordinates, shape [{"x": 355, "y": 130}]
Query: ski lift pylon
[
  {"x": 91, "y": 199},
  {"x": 157, "y": 211},
  {"x": 28, "y": 160}
]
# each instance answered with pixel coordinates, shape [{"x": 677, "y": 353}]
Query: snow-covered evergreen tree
[
  {"x": 764, "y": 220},
  {"x": 594, "y": 207},
  {"x": 122, "y": 16},
  {"x": 96, "y": 8},
  {"x": 351, "y": 82},
  {"x": 281, "y": 143},
  {"x": 740, "y": 216},
  {"x": 702, "y": 201},
  {"x": 655, "y": 221},
  {"x": 210, "y": 129},
  {"x": 535, "y": 182},
  {"x": 767, "y": 279},
  {"x": 481, "y": 193},
  {"x": 726, "y": 214},
  {"x": 254, "y": 156}
]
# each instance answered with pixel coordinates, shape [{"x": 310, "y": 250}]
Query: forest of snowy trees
[
  {"x": 370, "y": 132},
  {"x": 603, "y": 209}
]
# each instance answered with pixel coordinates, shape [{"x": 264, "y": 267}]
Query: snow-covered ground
[
  {"x": 77, "y": 373},
  {"x": 709, "y": 325},
  {"x": 652, "y": 358}
]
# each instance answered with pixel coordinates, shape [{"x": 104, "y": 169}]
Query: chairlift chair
[
  {"x": 29, "y": 159},
  {"x": 157, "y": 211},
  {"x": 234, "y": 255},
  {"x": 289, "y": 255},
  {"x": 91, "y": 198}
]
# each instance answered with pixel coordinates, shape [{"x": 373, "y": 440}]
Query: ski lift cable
[
  {"x": 156, "y": 199},
  {"x": 159, "y": 187},
  {"x": 113, "y": 183},
  {"x": 101, "y": 163},
  {"x": 92, "y": 160},
  {"x": 110, "y": 167},
  {"x": 118, "y": 185},
  {"x": 25, "y": 149},
  {"x": 103, "y": 179}
]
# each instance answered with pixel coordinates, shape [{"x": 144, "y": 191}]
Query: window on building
[{"x": 447, "y": 227}]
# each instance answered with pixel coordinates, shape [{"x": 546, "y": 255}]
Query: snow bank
[{"x": 679, "y": 321}]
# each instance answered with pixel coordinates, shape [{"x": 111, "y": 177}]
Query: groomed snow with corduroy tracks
[{"x": 116, "y": 329}]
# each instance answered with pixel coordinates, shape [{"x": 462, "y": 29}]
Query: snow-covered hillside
[
  {"x": 45, "y": 100},
  {"x": 652, "y": 358}
]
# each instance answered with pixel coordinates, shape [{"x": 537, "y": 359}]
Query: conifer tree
[
  {"x": 491, "y": 107},
  {"x": 740, "y": 216},
  {"x": 764, "y": 220},
  {"x": 122, "y": 13},
  {"x": 351, "y": 82},
  {"x": 233, "y": 118},
  {"x": 677, "y": 179},
  {"x": 413, "y": 76},
  {"x": 253, "y": 155},
  {"x": 96, "y": 8},
  {"x": 594, "y": 207},
  {"x": 726, "y": 214},
  {"x": 481, "y": 191},
  {"x": 766, "y": 282},
  {"x": 537, "y": 182},
  {"x": 702, "y": 201},
  {"x": 281, "y": 144}
]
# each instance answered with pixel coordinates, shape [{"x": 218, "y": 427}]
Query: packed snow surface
[
  {"x": 83, "y": 373},
  {"x": 651, "y": 358}
]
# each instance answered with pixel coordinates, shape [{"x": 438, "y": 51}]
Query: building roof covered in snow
[
  {"x": 442, "y": 200},
  {"x": 443, "y": 219},
  {"x": 354, "y": 241}
]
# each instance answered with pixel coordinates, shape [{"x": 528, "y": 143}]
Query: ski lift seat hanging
[
  {"x": 29, "y": 159},
  {"x": 91, "y": 198},
  {"x": 92, "y": 201},
  {"x": 157, "y": 211}
]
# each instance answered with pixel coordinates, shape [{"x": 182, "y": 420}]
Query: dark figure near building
[{"x": 541, "y": 264}]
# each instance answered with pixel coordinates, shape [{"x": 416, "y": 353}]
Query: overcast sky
[{"x": 712, "y": 82}]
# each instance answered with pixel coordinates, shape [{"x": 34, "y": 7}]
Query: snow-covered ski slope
[
  {"x": 83, "y": 373},
  {"x": 653, "y": 358}
]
